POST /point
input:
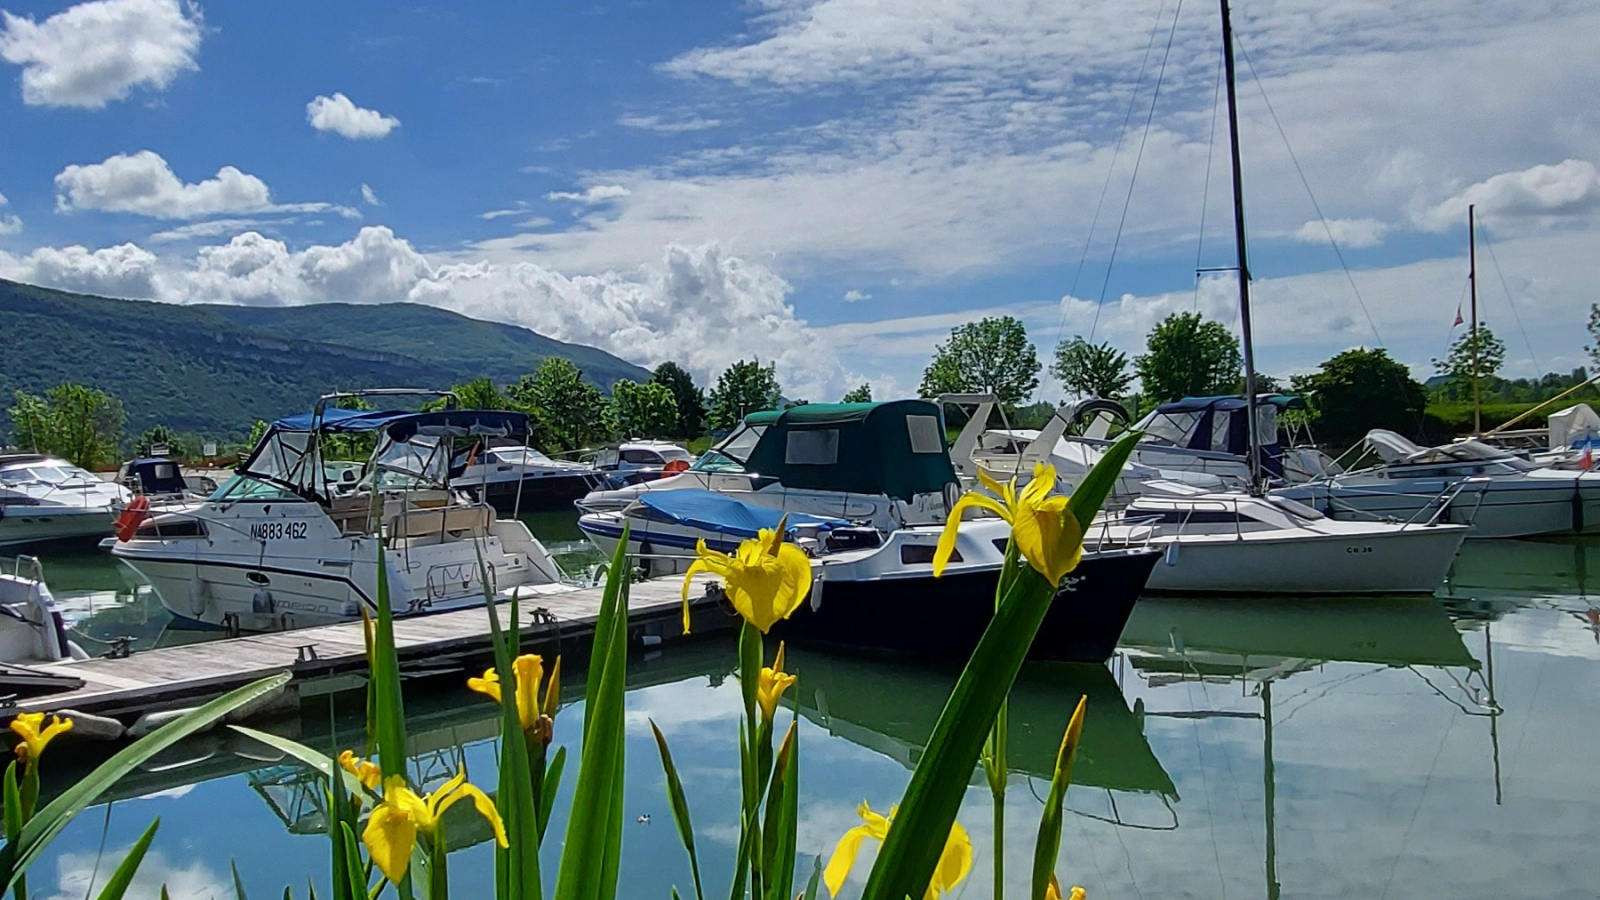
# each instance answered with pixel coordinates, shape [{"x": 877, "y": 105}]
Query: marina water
[{"x": 1233, "y": 748}]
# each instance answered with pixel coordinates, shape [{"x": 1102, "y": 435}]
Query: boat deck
[{"x": 333, "y": 657}]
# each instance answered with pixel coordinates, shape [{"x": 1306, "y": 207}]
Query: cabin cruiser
[
  {"x": 279, "y": 547},
  {"x": 866, "y": 488},
  {"x": 1509, "y": 496},
  {"x": 43, "y": 498},
  {"x": 161, "y": 480},
  {"x": 632, "y": 462},
  {"x": 513, "y": 477}
]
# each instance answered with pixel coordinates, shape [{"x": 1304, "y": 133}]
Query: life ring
[
  {"x": 675, "y": 466},
  {"x": 131, "y": 517}
]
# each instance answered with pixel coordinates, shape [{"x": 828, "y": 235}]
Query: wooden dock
[{"x": 329, "y": 658}]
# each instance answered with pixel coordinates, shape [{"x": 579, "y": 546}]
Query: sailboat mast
[
  {"x": 1244, "y": 267},
  {"x": 1472, "y": 280}
]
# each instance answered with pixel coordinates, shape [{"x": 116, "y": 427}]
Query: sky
[{"x": 828, "y": 185}]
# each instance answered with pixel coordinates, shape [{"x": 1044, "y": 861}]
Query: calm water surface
[{"x": 1244, "y": 748}]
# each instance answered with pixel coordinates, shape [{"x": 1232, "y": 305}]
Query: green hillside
[{"x": 214, "y": 370}]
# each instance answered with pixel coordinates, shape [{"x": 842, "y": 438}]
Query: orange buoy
[
  {"x": 674, "y": 467},
  {"x": 131, "y": 517}
]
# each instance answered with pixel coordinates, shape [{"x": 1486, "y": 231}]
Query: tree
[
  {"x": 178, "y": 446},
  {"x": 1187, "y": 356},
  {"x": 1458, "y": 363},
  {"x": 1359, "y": 390},
  {"x": 641, "y": 410},
  {"x": 1092, "y": 370},
  {"x": 687, "y": 397},
  {"x": 1594, "y": 334},
  {"x": 480, "y": 393},
  {"x": 568, "y": 407},
  {"x": 72, "y": 421},
  {"x": 989, "y": 356},
  {"x": 859, "y": 394},
  {"x": 743, "y": 388}
]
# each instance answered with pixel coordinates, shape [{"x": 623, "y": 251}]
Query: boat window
[
  {"x": 730, "y": 455},
  {"x": 922, "y": 554},
  {"x": 1167, "y": 428},
  {"x": 172, "y": 528},
  {"x": 46, "y": 474},
  {"x": 675, "y": 452},
  {"x": 812, "y": 447},
  {"x": 925, "y": 434},
  {"x": 641, "y": 457},
  {"x": 406, "y": 464},
  {"x": 243, "y": 487},
  {"x": 280, "y": 457},
  {"x": 524, "y": 455}
]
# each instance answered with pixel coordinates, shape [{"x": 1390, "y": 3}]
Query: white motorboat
[
  {"x": 279, "y": 547},
  {"x": 513, "y": 477},
  {"x": 1509, "y": 496},
  {"x": 31, "y": 627},
  {"x": 631, "y": 462},
  {"x": 43, "y": 498}
]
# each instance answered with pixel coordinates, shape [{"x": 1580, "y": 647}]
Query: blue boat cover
[
  {"x": 402, "y": 424},
  {"x": 723, "y": 514}
]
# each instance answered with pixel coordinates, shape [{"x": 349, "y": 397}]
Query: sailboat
[{"x": 1508, "y": 495}]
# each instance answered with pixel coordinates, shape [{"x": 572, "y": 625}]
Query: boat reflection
[
  {"x": 1494, "y": 578},
  {"x": 891, "y": 710}
]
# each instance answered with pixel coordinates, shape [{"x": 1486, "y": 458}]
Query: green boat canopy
[{"x": 895, "y": 448}]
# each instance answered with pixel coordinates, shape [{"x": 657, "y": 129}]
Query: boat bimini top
[{"x": 1220, "y": 425}]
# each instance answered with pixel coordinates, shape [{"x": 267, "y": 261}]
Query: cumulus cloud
[
  {"x": 370, "y": 196},
  {"x": 212, "y": 229},
  {"x": 93, "y": 53},
  {"x": 600, "y": 193},
  {"x": 9, "y": 224},
  {"x": 143, "y": 183},
  {"x": 1567, "y": 188},
  {"x": 668, "y": 126},
  {"x": 856, "y": 296},
  {"x": 125, "y": 270},
  {"x": 1353, "y": 233},
  {"x": 342, "y": 117},
  {"x": 82, "y": 874}
]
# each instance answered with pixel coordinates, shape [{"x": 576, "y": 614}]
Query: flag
[
  {"x": 1458, "y": 320},
  {"x": 1587, "y": 461}
]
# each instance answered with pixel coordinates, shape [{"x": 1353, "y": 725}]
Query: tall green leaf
[
  {"x": 387, "y": 706},
  {"x": 47, "y": 823},
  {"x": 238, "y": 886},
  {"x": 117, "y": 884},
  {"x": 1096, "y": 486},
  {"x": 517, "y": 871},
  {"x": 680, "y": 808}
]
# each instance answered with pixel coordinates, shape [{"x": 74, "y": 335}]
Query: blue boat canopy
[
  {"x": 725, "y": 515},
  {"x": 1229, "y": 403},
  {"x": 1220, "y": 425},
  {"x": 402, "y": 425}
]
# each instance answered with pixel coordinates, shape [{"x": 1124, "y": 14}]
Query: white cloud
[
  {"x": 1348, "y": 233},
  {"x": 600, "y": 193},
  {"x": 370, "y": 196},
  {"x": 93, "y": 53},
  {"x": 83, "y": 874},
  {"x": 125, "y": 270},
  {"x": 493, "y": 214},
  {"x": 212, "y": 229},
  {"x": 342, "y": 117},
  {"x": 9, "y": 224},
  {"x": 144, "y": 184},
  {"x": 855, "y": 296},
  {"x": 668, "y": 126},
  {"x": 1567, "y": 188}
]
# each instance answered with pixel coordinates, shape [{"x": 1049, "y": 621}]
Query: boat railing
[{"x": 25, "y": 567}]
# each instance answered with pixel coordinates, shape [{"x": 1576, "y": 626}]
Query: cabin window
[
  {"x": 925, "y": 436},
  {"x": 641, "y": 457},
  {"x": 819, "y": 447},
  {"x": 181, "y": 528},
  {"x": 922, "y": 554}
]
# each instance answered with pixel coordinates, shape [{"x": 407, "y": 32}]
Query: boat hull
[
  {"x": 1509, "y": 508},
  {"x": 1409, "y": 561},
  {"x": 22, "y": 525},
  {"x": 538, "y": 493}
]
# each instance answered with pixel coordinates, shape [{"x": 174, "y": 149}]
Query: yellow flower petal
[
  {"x": 529, "y": 669},
  {"x": 489, "y": 684},
  {"x": 485, "y": 808},
  {"x": 1078, "y": 893},
  {"x": 774, "y": 681},
  {"x": 844, "y": 858},
  {"x": 709, "y": 561},
  {"x": 954, "y": 863},
  {"x": 390, "y": 836},
  {"x": 28, "y": 727},
  {"x": 952, "y": 526}
]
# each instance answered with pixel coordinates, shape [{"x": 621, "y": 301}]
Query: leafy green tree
[
  {"x": 990, "y": 356},
  {"x": 72, "y": 421},
  {"x": 641, "y": 410},
  {"x": 1091, "y": 370},
  {"x": 743, "y": 388},
  {"x": 257, "y": 432},
  {"x": 1359, "y": 390},
  {"x": 568, "y": 407},
  {"x": 1491, "y": 353},
  {"x": 859, "y": 394},
  {"x": 480, "y": 393},
  {"x": 1187, "y": 356},
  {"x": 687, "y": 398},
  {"x": 178, "y": 445}
]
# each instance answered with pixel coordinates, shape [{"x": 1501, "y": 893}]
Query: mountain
[{"x": 214, "y": 370}]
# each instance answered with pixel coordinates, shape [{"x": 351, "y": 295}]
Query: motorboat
[
  {"x": 867, "y": 488},
  {"x": 875, "y": 590},
  {"x": 43, "y": 498},
  {"x": 1509, "y": 496},
  {"x": 1241, "y": 543},
  {"x": 279, "y": 546},
  {"x": 632, "y": 462},
  {"x": 161, "y": 481},
  {"x": 31, "y": 627},
  {"x": 514, "y": 477}
]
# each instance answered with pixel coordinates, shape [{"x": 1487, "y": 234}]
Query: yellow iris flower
[
  {"x": 35, "y": 734},
  {"x": 1048, "y": 536},
  {"x": 391, "y": 832},
  {"x": 365, "y": 772},
  {"x": 766, "y": 579},
  {"x": 1053, "y": 891},
  {"x": 954, "y": 863},
  {"x": 531, "y": 711},
  {"x": 774, "y": 681}
]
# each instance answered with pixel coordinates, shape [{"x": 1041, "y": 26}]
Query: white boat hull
[
  {"x": 1410, "y": 561},
  {"x": 1505, "y": 507},
  {"x": 29, "y": 525}
]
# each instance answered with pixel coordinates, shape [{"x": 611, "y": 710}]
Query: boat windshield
[
  {"x": 731, "y": 454},
  {"x": 1172, "y": 429},
  {"x": 44, "y": 473},
  {"x": 526, "y": 456},
  {"x": 418, "y": 462},
  {"x": 244, "y": 487}
]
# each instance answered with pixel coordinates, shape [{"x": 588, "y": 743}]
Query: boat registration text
[{"x": 278, "y": 531}]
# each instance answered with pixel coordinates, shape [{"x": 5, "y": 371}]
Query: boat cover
[
  {"x": 725, "y": 515},
  {"x": 895, "y": 448},
  {"x": 403, "y": 424}
]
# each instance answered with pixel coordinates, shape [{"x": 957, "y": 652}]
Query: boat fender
[
  {"x": 1577, "y": 508},
  {"x": 1171, "y": 556},
  {"x": 816, "y": 594},
  {"x": 75, "y": 652},
  {"x": 98, "y": 728},
  {"x": 129, "y": 520},
  {"x": 63, "y": 648},
  {"x": 261, "y": 602},
  {"x": 150, "y": 721},
  {"x": 197, "y": 597}
]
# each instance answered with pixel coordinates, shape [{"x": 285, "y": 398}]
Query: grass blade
[
  {"x": 680, "y": 808},
  {"x": 117, "y": 884},
  {"x": 310, "y": 756}
]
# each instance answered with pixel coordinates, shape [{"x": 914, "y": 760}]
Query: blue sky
[{"x": 828, "y": 184}]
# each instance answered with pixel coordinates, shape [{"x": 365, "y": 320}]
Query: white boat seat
[
  {"x": 473, "y": 521},
  {"x": 353, "y": 514}
]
